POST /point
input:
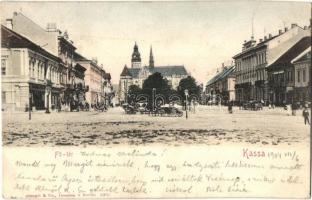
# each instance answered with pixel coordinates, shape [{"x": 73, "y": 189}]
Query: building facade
[
  {"x": 251, "y": 64},
  {"x": 282, "y": 74},
  {"x": 137, "y": 74},
  {"x": 79, "y": 84},
  {"x": 222, "y": 86},
  {"x": 302, "y": 68},
  {"x": 30, "y": 74},
  {"x": 108, "y": 90},
  {"x": 93, "y": 79},
  {"x": 53, "y": 41}
]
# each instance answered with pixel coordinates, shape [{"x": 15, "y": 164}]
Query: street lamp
[
  {"x": 186, "y": 95},
  {"x": 153, "y": 98}
]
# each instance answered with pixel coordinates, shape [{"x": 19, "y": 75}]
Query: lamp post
[
  {"x": 153, "y": 99},
  {"x": 186, "y": 95}
]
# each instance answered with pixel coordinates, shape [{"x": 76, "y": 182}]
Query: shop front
[{"x": 38, "y": 96}]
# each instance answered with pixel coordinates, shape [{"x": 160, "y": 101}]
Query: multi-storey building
[
  {"x": 252, "y": 62},
  {"x": 54, "y": 42},
  {"x": 281, "y": 74},
  {"x": 108, "y": 90},
  {"x": 30, "y": 74},
  {"x": 93, "y": 78},
  {"x": 302, "y": 65},
  {"x": 79, "y": 84},
  {"x": 222, "y": 85},
  {"x": 136, "y": 75}
]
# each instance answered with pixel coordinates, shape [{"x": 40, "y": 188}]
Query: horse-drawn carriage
[
  {"x": 170, "y": 111},
  {"x": 163, "y": 111}
]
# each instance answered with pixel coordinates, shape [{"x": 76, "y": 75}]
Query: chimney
[
  {"x": 260, "y": 40},
  {"x": 265, "y": 38},
  {"x": 9, "y": 24},
  {"x": 270, "y": 35},
  {"x": 286, "y": 29},
  {"x": 51, "y": 27},
  {"x": 280, "y": 31},
  {"x": 293, "y": 25}
]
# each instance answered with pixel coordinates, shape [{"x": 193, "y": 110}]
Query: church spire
[
  {"x": 151, "y": 58},
  {"x": 136, "y": 57}
]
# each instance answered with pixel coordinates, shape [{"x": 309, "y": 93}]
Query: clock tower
[{"x": 136, "y": 57}]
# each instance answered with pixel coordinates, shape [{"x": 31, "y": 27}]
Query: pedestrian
[
  {"x": 293, "y": 109},
  {"x": 289, "y": 110},
  {"x": 230, "y": 107},
  {"x": 305, "y": 114}
]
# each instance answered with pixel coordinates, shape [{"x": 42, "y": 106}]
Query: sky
[{"x": 199, "y": 35}]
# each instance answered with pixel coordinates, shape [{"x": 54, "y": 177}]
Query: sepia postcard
[{"x": 154, "y": 99}]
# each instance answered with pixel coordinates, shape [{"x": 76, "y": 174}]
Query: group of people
[{"x": 291, "y": 108}]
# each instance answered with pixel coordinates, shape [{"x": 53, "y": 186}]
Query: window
[
  {"x": 3, "y": 66},
  {"x": 33, "y": 70},
  {"x": 304, "y": 75},
  {"x": 38, "y": 69},
  {"x": 298, "y": 75}
]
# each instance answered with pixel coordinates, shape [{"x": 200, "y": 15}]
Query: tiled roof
[
  {"x": 107, "y": 76},
  {"x": 303, "y": 56},
  {"x": 11, "y": 39},
  {"x": 134, "y": 72},
  {"x": 78, "y": 57},
  {"x": 125, "y": 71},
  {"x": 164, "y": 70},
  {"x": 221, "y": 75},
  {"x": 169, "y": 70},
  {"x": 293, "y": 52}
]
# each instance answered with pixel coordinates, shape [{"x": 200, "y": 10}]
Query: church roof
[
  {"x": 169, "y": 70},
  {"x": 163, "y": 70},
  {"x": 125, "y": 71}
]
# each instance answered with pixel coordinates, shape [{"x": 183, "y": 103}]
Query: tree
[
  {"x": 159, "y": 83},
  {"x": 133, "y": 92},
  {"x": 190, "y": 84},
  {"x": 134, "y": 89}
]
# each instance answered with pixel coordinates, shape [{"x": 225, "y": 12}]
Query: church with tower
[{"x": 137, "y": 74}]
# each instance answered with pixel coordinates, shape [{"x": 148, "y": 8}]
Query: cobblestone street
[{"x": 208, "y": 126}]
